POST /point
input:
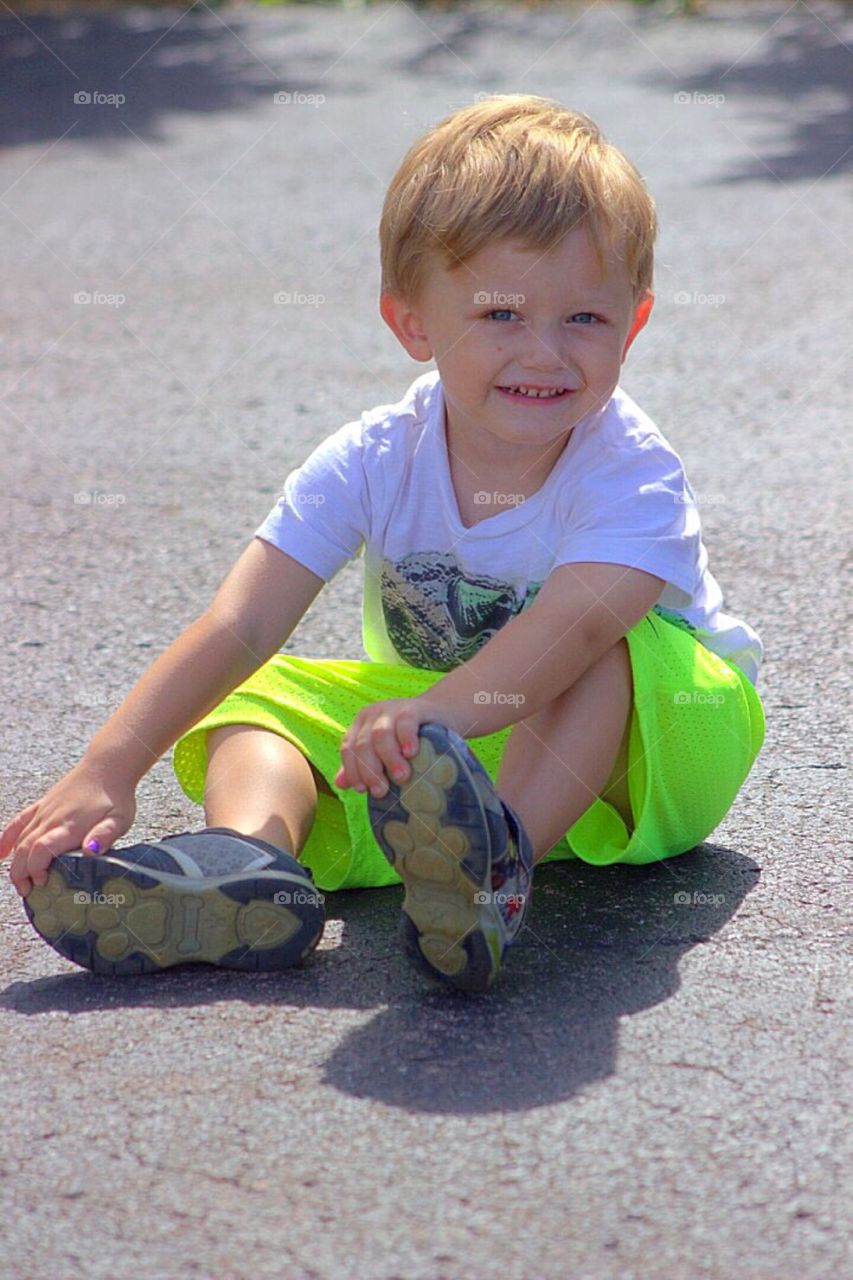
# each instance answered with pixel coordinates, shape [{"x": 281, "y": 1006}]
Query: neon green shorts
[{"x": 697, "y": 726}]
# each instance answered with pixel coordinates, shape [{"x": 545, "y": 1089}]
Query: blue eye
[{"x": 586, "y": 318}]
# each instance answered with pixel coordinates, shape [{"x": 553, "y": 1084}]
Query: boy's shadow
[{"x": 601, "y": 943}]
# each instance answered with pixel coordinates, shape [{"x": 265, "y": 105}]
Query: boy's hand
[
  {"x": 82, "y": 810},
  {"x": 381, "y": 739}
]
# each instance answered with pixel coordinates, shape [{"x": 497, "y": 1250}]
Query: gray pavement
[{"x": 657, "y": 1088}]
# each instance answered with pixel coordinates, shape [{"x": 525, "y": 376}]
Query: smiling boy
[{"x": 551, "y": 672}]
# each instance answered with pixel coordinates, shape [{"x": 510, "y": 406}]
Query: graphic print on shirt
[{"x": 436, "y": 617}]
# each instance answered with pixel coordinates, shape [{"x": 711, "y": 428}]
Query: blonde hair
[{"x": 512, "y": 166}]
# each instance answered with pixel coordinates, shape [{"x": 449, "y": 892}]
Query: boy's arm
[
  {"x": 255, "y": 609},
  {"x": 581, "y": 611}
]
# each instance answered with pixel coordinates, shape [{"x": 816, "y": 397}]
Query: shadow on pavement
[
  {"x": 164, "y": 61},
  {"x": 161, "y": 61},
  {"x": 602, "y": 943},
  {"x": 796, "y": 71}
]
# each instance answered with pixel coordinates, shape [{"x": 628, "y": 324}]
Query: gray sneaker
[
  {"x": 213, "y": 896},
  {"x": 464, "y": 858}
]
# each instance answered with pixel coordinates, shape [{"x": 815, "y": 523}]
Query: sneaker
[
  {"x": 213, "y": 896},
  {"x": 464, "y": 858}
]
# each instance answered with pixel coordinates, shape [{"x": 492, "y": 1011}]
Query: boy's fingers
[
  {"x": 389, "y": 748},
  {"x": 18, "y": 874},
  {"x": 24, "y": 838},
  {"x": 350, "y": 768},
  {"x": 30, "y": 864},
  {"x": 407, "y": 735},
  {"x": 388, "y": 743},
  {"x": 43, "y": 851},
  {"x": 378, "y": 751},
  {"x": 371, "y": 769},
  {"x": 9, "y": 838},
  {"x": 22, "y": 884}
]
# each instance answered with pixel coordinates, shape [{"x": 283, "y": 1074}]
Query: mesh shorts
[{"x": 697, "y": 725}]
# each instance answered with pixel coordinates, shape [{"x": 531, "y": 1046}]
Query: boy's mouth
[{"x": 535, "y": 394}]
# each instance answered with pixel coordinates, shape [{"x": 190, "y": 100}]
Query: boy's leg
[
  {"x": 260, "y": 784},
  {"x": 557, "y": 761}
]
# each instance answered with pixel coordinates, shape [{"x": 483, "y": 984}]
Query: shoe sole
[
  {"x": 440, "y": 831},
  {"x": 115, "y": 918}
]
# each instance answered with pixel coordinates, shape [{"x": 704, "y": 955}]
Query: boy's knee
[{"x": 260, "y": 746}]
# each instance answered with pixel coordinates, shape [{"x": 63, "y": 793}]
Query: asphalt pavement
[{"x": 657, "y": 1087}]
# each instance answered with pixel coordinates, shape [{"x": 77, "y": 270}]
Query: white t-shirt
[{"x": 436, "y": 592}]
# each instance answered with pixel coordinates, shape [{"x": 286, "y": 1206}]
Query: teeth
[{"x": 537, "y": 395}]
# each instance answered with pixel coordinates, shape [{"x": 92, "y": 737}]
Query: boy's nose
[{"x": 541, "y": 354}]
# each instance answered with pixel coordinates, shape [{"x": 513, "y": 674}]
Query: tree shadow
[
  {"x": 159, "y": 61},
  {"x": 602, "y": 943},
  {"x": 801, "y": 76}
]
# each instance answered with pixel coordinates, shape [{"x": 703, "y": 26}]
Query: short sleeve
[
  {"x": 636, "y": 509},
  {"x": 321, "y": 518}
]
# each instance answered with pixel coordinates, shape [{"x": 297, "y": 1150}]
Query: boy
[{"x": 535, "y": 581}]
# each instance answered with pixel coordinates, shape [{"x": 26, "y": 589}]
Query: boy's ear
[
  {"x": 404, "y": 321},
  {"x": 641, "y": 316}
]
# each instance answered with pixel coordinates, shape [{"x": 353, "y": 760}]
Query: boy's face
[{"x": 514, "y": 317}]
